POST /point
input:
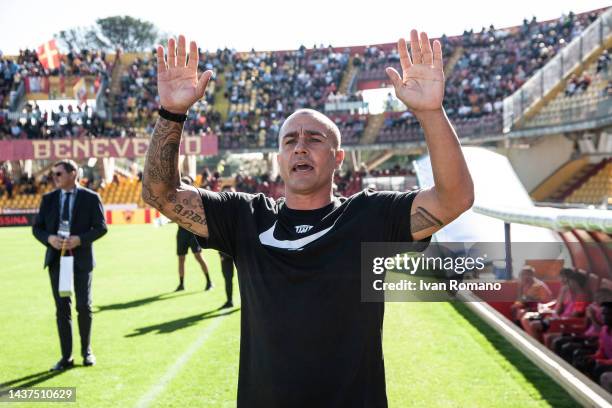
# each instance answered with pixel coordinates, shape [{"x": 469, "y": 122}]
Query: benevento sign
[{"x": 84, "y": 148}]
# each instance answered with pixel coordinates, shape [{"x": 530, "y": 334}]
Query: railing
[
  {"x": 552, "y": 218},
  {"x": 74, "y": 116},
  {"x": 390, "y": 183},
  {"x": 560, "y": 66},
  {"x": 360, "y": 107}
]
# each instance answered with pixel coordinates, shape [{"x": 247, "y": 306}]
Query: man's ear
[{"x": 339, "y": 158}]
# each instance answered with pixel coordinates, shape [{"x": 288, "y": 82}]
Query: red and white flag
[{"x": 49, "y": 55}]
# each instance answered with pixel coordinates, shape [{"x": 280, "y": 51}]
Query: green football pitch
[{"x": 163, "y": 349}]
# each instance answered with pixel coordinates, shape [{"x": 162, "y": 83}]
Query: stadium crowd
[
  {"x": 68, "y": 121},
  {"x": 27, "y": 68},
  {"x": 346, "y": 183},
  {"x": 493, "y": 64},
  {"x": 258, "y": 89}
]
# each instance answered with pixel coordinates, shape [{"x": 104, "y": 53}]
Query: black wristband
[{"x": 173, "y": 117}]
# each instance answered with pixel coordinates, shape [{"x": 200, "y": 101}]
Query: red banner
[
  {"x": 56, "y": 149},
  {"x": 20, "y": 219}
]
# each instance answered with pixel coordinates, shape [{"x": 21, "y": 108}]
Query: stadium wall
[
  {"x": 113, "y": 217},
  {"x": 17, "y": 219},
  {"x": 136, "y": 216},
  {"x": 540, "y": 160}
]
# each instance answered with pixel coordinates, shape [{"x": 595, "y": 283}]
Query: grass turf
[{"x": 163, "y": 349}]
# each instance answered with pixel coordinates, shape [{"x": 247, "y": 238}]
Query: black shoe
[
  {"x": 89, "y": 360},
  {"x": 62, "y": 365},
  {"x": 209, "y": 286},
  {"x": 179, "y": 288},
  {"x": 227, "y": 305}
]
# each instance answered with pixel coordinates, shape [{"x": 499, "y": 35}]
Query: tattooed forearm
[
  {"x": 188, "y": 214},
  {"x": 161, "y": 164},
  {"x": 150, "y": 198},
  {"x": 193, "y": 201},
  {"x": 161, "y": 186},
  {"x": 422, "y": 220}
]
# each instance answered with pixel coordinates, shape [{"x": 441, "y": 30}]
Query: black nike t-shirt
[{"x": 307, "y": 340}]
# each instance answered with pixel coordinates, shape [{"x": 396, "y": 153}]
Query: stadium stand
[
  {"x": 581, "y": 96},
  {"x": 492, "y": 65},
  {"x": 579, "y": 181},
  {"x": 596, "y": 187},
  {"x": 253, "y": 91},
  {"x": 122, "y": 190},
  {"x": 25, "y": 194},
  {"x": 261, "y": 87}
]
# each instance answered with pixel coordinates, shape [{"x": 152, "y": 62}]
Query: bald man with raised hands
[{"x": 307, "y": 339}]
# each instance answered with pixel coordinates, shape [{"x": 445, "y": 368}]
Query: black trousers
[
  {"x": 227, "y": 268},
  {"x": 82, "y": 291}
]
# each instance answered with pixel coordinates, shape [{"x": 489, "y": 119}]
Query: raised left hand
[{"x": 421, "y": 85}]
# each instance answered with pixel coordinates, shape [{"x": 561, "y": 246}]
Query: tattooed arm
[
  {"x": 161, "y": 186},
  {"x": 421, "y": 89},
  {"x": 178, "y": 88}
]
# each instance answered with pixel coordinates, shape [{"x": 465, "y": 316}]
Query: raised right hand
[{"x": 177, "y": 82}]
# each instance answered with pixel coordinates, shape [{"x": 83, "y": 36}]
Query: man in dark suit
[{"x": 80, "y": 211}]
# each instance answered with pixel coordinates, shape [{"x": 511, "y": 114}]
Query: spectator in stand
[
  {"x": 603, "y": 62},
  {"x": 8, "y": 185},
  {"x": 577, "y": 84},
  {"x": 607, "y": 92}
]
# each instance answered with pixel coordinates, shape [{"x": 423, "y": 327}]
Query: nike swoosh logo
[{"x": 267, "y": 238}]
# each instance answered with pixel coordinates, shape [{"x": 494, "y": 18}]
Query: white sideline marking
[{"x": 157, "y": 389}]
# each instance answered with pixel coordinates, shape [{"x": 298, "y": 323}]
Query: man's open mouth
[{"x": 302, "y": 167}]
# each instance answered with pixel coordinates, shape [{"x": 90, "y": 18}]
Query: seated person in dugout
[
  {"x": 531, "y": 292},
  {"x": 566, "y": 346},
  {"x": 572, "y": 301},
  {"x": 599, "y": 363}
]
